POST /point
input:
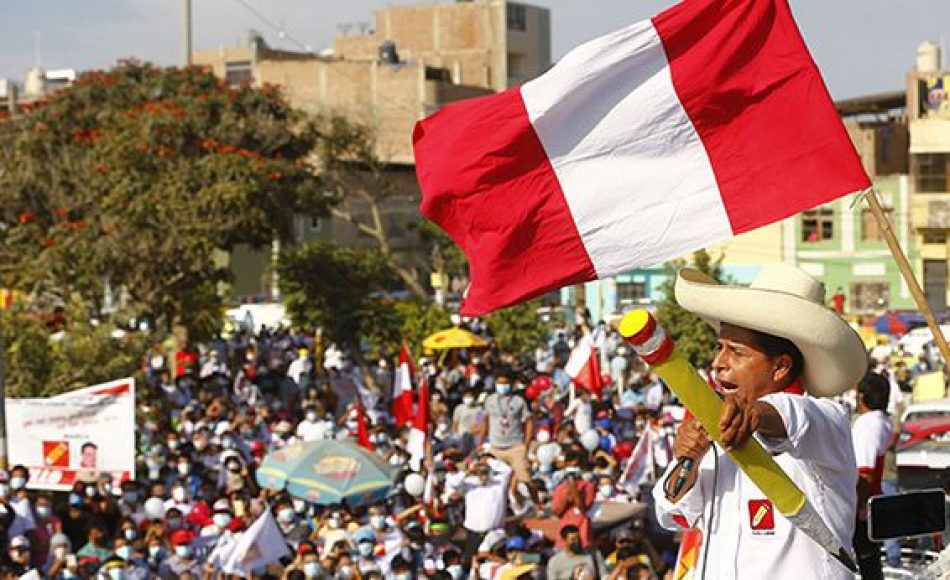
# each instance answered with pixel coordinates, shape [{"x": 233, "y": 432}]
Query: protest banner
[{"x": 74, "y": 436}]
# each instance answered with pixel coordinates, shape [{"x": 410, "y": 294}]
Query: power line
[{"x": 280, "y": 30}]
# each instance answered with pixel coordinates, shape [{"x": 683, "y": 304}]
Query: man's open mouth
[{"x": 727, "y": 388}]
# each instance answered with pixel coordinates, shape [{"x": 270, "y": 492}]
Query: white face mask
[
  {"x": 59, "y": 552},
  {"x": 606, "y": 490},
  {"x": 455, "y": 571},
  {"x": 178, "y": 494},
  {"x": 183, "y": 551},
  {"x": 311, "y": 416},
  {"x": 311, "y": 569},
  {"x": 543, "y": 436},
  {"x": 468, "y": 400},
  {"x": 221, "y": 520},
  {"x": 183, "y": 468}
]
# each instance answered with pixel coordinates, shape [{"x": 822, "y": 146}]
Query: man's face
[
  {"x": 742, "y": 369},
  {"x": 89, "y": 456}
]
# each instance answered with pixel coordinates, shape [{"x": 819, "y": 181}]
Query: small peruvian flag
[
  {"x": 402, "y": 388},
  {"x": 362, "y": 433},
  {"x": 420, "y": 428},
  {"x": 584, "y": 367}
]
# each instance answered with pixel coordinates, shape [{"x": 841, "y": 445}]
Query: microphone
[{"x": 685, "y": 465}]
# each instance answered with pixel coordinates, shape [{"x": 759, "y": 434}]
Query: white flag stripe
[{"x": 615, "y": 94}]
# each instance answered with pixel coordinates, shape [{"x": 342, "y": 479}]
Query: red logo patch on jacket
[{"x": 761, "y": 516}]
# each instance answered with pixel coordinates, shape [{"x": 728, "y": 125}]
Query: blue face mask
[
  {"x": 503, "y": 388},
  {"x": 75, "y": 499}
]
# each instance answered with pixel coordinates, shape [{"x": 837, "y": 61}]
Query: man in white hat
[{"x": 780, "y": 352}]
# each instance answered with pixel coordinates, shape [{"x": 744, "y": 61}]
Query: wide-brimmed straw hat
[{"x": 786, "y": 302}]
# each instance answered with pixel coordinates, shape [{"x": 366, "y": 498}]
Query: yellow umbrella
[{"x": 454, "y": 338}]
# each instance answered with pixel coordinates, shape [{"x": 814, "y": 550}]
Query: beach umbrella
[
  {"x": 454, "y": 338},
  {"x": 890, "y": 323},
  {"x": 327, "y": 472}
]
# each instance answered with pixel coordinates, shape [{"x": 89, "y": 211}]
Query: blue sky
[{"x": 861, "y": 46}]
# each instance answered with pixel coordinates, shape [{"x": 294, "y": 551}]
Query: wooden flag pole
[{"x": 885, "y": 224}]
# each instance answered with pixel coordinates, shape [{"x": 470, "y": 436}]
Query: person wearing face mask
[
  {"x": 508, "y": 427},
  {"x": 180, "y": 498},
  {"x": 485, "y": 492},
  {"x": 174, "y": 520},
  {"x": 96, "y": 542},
  {"x": 388, "y": 540},
  {"x": 183, "y": 561},
  {"x": 59, "y": 548},
  {"x": 220, "y": 520},
  {"x": 156, "y": 554},
  {"x": 47, "y": 525},
  {"x": 366, "y": 560},
  {"x": 74, "y": 517},
  {"x": 561, "y": 566},
  {"x": 466, "y": 419},
  {"x": 14, "y": 492},
  {"x": 234, "y": 477},
  {"x": 293, "y": 530},
  {"x": 313, "y": 427}
]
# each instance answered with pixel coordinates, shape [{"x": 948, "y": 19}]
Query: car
[{"x": 923, "y": 447}]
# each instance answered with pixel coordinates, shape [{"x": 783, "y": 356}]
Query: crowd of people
[
  {"x": 525, "y": 475},
  {"x": 513, "y": 489}
]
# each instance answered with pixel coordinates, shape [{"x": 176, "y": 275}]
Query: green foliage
[
  {"x": 40, "y": 364},
  {"x": 339, "y": 289},
  {"x": 138, "y": 176},
  {"x": 420, "y": 320},
  {"x": 694, "y": 338},
  {"x": 518, "y": 329}
]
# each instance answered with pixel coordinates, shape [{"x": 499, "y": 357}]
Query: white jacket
[{"x": 749, "y": 538}]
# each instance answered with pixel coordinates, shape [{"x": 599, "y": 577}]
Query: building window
[
  {"x": 930, "y": 172},
  {"x": 316, "y": 224},
  {"x": 935, "y": 237},
  {"x": 818, "y": 225},
  {"x": 631, "y": 292},
  {"x": 870, "y": 230},
  {"x": 238, "y": 73},
  {"x": 870, "y": 296},
  {"x": 517, "y": 17}
]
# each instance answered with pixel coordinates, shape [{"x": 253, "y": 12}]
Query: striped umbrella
[{"x": 327, "y": 472}]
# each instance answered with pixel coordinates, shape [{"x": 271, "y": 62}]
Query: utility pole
[{"x": 188, "y": 33}]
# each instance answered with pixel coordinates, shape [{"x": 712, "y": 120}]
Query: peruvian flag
[
  {"x": 706, "y": 121},
  {"x": 583, "y": 366},
  {"x": 362, "y": 433},
  {"x": 402, "y": 388},
  {"x": 640, "y": 464},
  {"x": 420, "y": 428}
]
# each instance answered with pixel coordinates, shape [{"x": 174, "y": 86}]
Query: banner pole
[{"x": 904, "y": 266}]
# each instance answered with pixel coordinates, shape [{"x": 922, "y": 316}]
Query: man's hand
[
  {"x": 692, "y": 441},
  {"x": 739, "y": 420}
]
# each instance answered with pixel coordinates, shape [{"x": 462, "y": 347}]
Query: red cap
[{"x": 181, "y": 537}]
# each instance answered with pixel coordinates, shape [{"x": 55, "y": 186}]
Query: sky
[{"x": 861, "y": 46}]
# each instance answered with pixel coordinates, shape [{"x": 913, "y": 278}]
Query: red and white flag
[
  {"x": 640, "y": 464},
  {"x": 583, "y": 366},
  {"x": 362, "y": 432},
  {"x": 402, "y": 388},
  {"x": 420, "y": 428},
  {"x": 706, "y": 121}
]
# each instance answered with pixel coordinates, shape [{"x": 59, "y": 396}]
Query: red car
[
  {"x": 925, "y": 429},
  {"x": 923, "y": 453}
]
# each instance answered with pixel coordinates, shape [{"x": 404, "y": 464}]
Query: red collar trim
[{"x": 795, "y": 388}]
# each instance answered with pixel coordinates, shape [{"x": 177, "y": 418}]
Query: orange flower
[{"x": 26, "y": 217}]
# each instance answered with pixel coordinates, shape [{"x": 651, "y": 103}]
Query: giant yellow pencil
[{"x": 657, "y": 348}]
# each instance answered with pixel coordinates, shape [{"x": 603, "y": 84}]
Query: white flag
[
  {"x": 260, "y": 545},
  {"x": 640, "y": 464}
]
